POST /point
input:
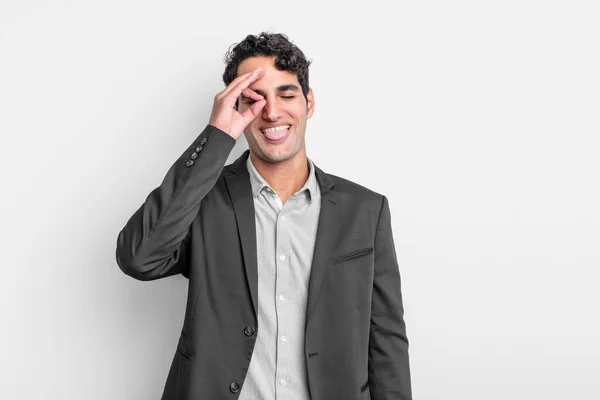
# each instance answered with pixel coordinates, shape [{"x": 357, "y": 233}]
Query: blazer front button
[
  {"x": 234, "y": 387},
  {"x": 249, "y": 331}
]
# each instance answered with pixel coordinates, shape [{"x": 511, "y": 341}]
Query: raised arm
[
  {"x": 154, "y": 242},
  {"x": 151, "y": 245}
]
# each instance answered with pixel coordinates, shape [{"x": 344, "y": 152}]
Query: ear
[{"x": 310, "y": 96}]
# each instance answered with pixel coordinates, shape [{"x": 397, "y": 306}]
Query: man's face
[{"x": 285, "y": 106}]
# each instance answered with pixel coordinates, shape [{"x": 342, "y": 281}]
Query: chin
[{"x": 276, "y": 155}]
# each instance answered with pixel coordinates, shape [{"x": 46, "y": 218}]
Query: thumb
[{"x": 250, "y": 114}]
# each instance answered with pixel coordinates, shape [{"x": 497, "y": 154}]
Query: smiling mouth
[{"x": 277, "y": 133}]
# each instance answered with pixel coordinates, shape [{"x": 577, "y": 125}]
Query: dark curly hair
[{"x": 288, "y": 57}]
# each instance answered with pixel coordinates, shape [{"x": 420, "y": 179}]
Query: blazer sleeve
[
  {"x": 155, "y": 241},
  {"x": 389, "y": 372}
]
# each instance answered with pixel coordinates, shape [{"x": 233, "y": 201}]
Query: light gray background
[{"x": 478, "y": 119}]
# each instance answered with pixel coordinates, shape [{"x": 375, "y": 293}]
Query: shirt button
[
  {"x": 283, "y": 382},
  {"x": 283, "y": 217},
  {"x": 283, "y": 339},
  {"x": 282, "y": 297},
  {"x": 282, "y": 257}
]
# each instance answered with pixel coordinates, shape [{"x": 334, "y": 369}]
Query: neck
[{"x": 285, "y": 177}]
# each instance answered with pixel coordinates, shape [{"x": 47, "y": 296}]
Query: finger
[
  {"x": 236, "y": 91},
  {"x": 250, "y": 114},
  {"x": 244, "y": 83},
  {"x": 222, "y": 96},
  {"x": 236, "y": 81},
  {"x": 251, "y": 94}
]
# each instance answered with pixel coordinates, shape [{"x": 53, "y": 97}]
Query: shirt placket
[{"x": 282, "y": 291}]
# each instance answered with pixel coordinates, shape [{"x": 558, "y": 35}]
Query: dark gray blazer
[{"x": 200, "y": 222}]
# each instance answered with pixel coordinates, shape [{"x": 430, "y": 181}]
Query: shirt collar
[{"x": 258, "y": 182}]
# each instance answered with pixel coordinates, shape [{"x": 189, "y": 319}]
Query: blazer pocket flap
[{"x": 352, "y": 254}]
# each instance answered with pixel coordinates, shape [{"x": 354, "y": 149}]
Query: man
[{"x": 294, "y": 288}]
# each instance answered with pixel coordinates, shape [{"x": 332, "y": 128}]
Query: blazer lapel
[
  {"x": 326, "y": 230},
  {"x": 240, "y": 191}
]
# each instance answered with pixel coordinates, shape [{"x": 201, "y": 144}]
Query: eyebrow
[{"x": 281, "y": 88}]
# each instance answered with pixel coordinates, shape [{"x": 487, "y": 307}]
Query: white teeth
[{"x": 277, "y": 128}]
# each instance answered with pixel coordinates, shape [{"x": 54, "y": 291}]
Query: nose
[{"x": 271, "y": 110}]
